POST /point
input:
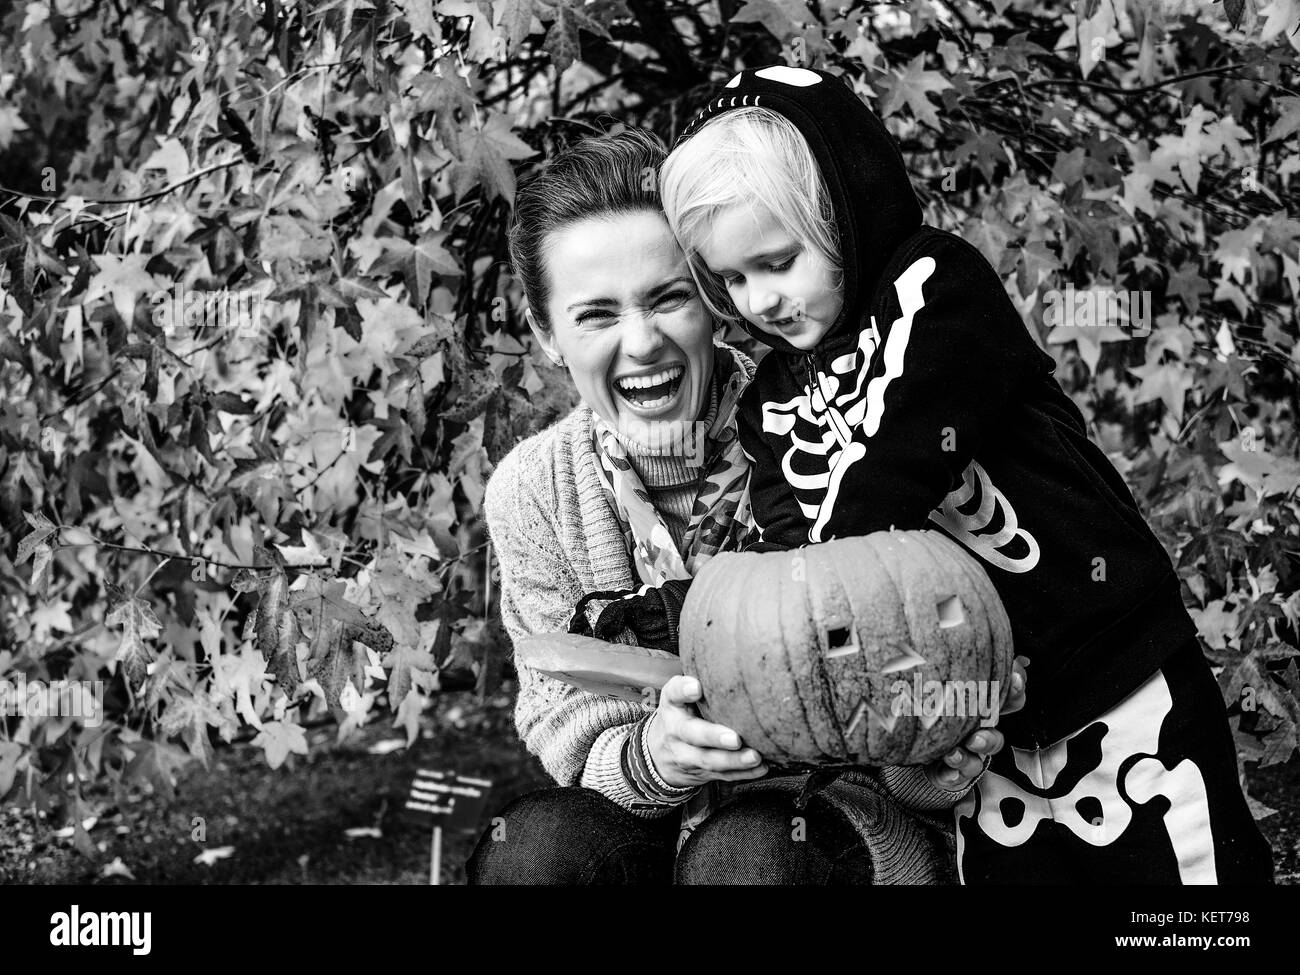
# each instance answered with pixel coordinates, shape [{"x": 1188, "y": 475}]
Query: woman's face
[{"x": 628, "y": 321}]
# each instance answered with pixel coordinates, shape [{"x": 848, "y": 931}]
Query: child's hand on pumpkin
[
  {"x": 687, "y": 750},
  {"x": 967, "y": 762}
]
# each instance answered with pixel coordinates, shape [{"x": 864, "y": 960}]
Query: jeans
[{"x": 568, "y": 836}]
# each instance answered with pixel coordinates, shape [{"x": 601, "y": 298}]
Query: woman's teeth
[{"x": 652, "y": 391}]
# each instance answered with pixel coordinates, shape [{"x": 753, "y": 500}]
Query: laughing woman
[{"x": 596, "y": 502}]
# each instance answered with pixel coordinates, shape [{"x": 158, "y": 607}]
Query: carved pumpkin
[{"x": 822, "y": 655}]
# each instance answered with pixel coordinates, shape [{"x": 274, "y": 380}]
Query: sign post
[{"x": 445, "y": 799}]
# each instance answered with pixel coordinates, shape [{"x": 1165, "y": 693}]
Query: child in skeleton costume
[{"x": 908, "y": 393}]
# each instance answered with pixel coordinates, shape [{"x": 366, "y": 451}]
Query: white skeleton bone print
[
  {"x": 823, "y": 451},
  {"x": 1131, "y": 729}
]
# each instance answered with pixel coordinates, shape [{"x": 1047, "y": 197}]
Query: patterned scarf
[{"x": 720, "y": 516}]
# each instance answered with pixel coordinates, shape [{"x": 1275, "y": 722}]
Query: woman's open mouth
[{"x": 653, "y": 392}]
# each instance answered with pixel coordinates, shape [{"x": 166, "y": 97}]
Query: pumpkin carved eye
[
  {"x": 950, "y": 613},
  {"x": 841, "y": 641},
  {"x": 807, "y": 665}
]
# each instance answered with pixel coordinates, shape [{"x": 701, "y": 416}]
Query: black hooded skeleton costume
[{"x": 929, "y": 405}]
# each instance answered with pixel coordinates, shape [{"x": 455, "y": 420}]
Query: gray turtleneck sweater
[{"x": 671, "y": 479}]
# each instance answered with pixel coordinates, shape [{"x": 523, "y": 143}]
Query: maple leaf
[
  {"x": 782, "y": 18},
  {"x": 912, "y": 87},
  {"x": 10, "y": 122},
  {"x": 1036, "y": 262},
  {"x": 124, "y": 278},
  {"x": 277, "y": 631},
  {"x": 1236, "y": 251},
  {"x": 42, "y": 528},
  {"x": 562, "y": 42},
  {"x": 116, "y": 869},
  {"x": 213, "y": 855},
  {"x": 155, "y": 765},
  {"x": 420, "y": 15},
  {"x": 10, "y": 753},
  {"x": 1279, "y": 743},
  {"x": 513, "y": 21},
  {"x": 486, "y": 154},
  {"x": 407, "y": 715},
  {"x": 1258, "y": 470},
  {"x": 241, "y": 676},
  {"x": 190, "y": 718},
  {"x": 403, "y": 661},
  {"x": 1167, "y": 382},
  {"x": 1216, "y": 623},
  {"x": 1188, "y": 283},
  {"x": 139, "y": 623},
  {"x": 421, "y": 263},
  {"x": 448, "y": 96},
  {"x": 334, "y": 627},
  {"x": 308, "y": 553},
  {"x": 1283, "y": 17},
  {"x": 987, "y": 149},
  {"x": 1288, "y": 122},
  {"x": 278, "y": 739}
]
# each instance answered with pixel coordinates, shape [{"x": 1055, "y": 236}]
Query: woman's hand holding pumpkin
[
  {"x": 965, "y": 763},
  {"x": 687, "y": 750}
]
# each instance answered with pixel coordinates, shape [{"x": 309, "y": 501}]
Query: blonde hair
[{"x": 751, "y": 157}]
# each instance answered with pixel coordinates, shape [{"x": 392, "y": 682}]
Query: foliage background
[{"x": 244, "y": 530}]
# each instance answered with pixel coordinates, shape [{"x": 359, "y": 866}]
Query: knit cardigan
[{"x": 556, "y": 538}]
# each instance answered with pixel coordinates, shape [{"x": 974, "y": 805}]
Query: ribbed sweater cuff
[
  {"x": 909, "y": 785},
  {"x": 644, "y": 776},
  {"x": 605, "y": 773}
]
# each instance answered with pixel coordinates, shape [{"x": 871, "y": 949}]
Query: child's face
[{"x": 779, "y": 283}]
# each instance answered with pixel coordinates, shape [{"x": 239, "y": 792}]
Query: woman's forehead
[{"x": 621, "y": 252}]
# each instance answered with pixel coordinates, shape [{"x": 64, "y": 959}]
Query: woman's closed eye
[
  {"x": 595, "y": 316},
  {"x": 674, "y": 299}
]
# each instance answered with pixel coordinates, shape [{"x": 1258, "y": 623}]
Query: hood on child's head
[{"x": 875, "y": 206}]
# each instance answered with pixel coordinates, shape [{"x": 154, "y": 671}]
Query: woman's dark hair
[{"x": 599, "y": 175}]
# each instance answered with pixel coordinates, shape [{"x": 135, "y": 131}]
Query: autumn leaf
[
  {"x": 10, "y": 754},
  {"x": 124, "y": 279},
  {"x": 912, "y": 87},
  {"x": 10, "y": 123},
  {"x": 42, "y": 528},
  {"x": 402, "y": 662},
  {"x": 334, "y": 627},
  {"x": 1255, "y": 467},
  {"x": 280, "y": 738},
  {"x": 406, "y": 716},
  {"x": 1167, "y": 382},
  {"x": 277, "y": 631},
  {"x": 241, "y": 676},
  {"x": 514, "y": 20},
  {"x": 190, "y": 717},
  {"x": 486, "y": 154},
  {"x": 782, "y": 18},
  {"x": 139, "y": 623}
]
